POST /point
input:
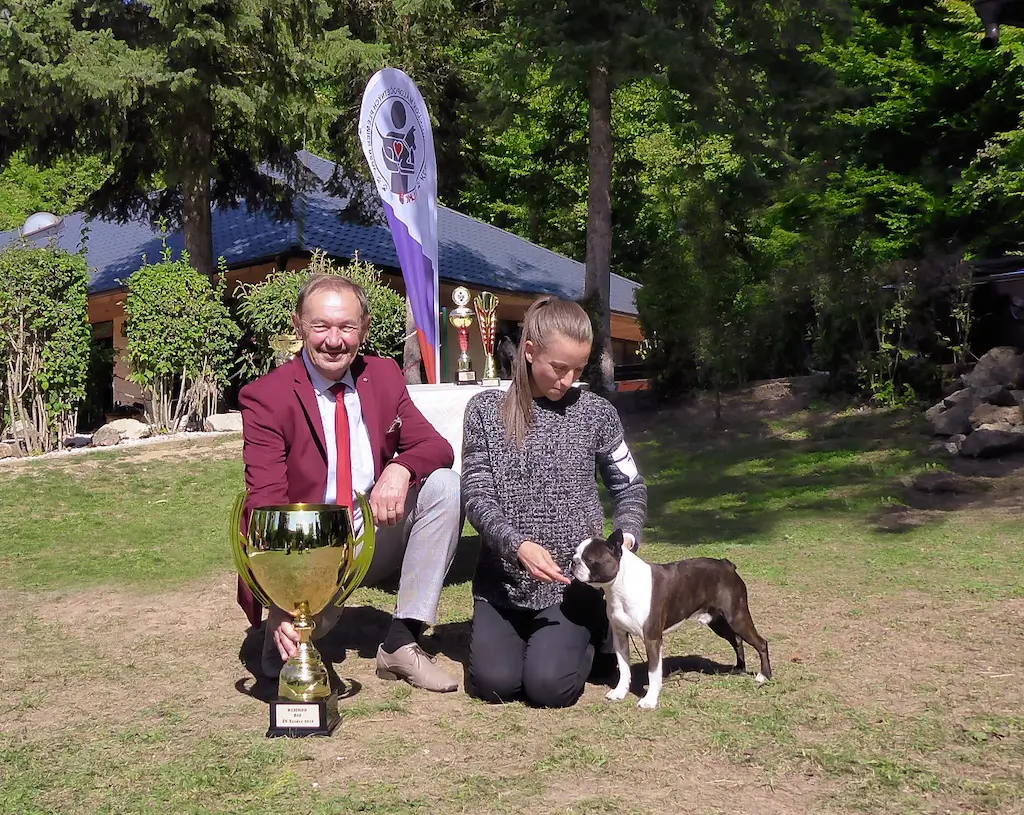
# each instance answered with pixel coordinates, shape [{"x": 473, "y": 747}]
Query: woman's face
[{"x": 555, "y": 366}]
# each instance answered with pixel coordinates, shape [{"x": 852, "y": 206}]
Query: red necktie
[{"x": 341, "y": 437}]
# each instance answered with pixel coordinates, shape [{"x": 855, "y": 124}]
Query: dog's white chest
[{"x": 629, "y": 597}]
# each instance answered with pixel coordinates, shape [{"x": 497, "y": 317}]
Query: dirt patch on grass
[{"x": 848, "y": 685}]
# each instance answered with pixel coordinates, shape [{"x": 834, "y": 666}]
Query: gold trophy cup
[
  {"x": 462, "y": 318},
  {"x": 284, "y": 346},
  {"x": 300, "y": 557},
  {"x": 487, "y": 316}
]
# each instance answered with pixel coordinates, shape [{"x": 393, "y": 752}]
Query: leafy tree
[
  {"x": 826, "y": 223},
  {"x": 266, "y": 309},
  {"x": 60, "y": 189},
  {"x": 181, "y": 340},
  {"x": 590, "y": 47},
  {"x": 44, "y": 342},
  {"x": 196, "y": 99},
  {"x": 691, "y": 65}
]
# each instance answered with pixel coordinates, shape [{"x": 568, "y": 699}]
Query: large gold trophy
[
  {"x": 487, "y": 316},
  {"x": 284, "y": 346},
  {"x": 300, "y": 557},
  {"x": 462, "y": 318}
]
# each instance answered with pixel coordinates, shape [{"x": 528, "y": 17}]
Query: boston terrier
[{"x": 652, "y": 599}]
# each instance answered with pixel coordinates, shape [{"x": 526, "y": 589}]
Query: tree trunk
[
  {"x": 411, "y": 354},
  {"x": 599, "y": 223},
  {"x": 196, "y": 218}
]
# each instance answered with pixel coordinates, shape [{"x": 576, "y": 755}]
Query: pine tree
[{"x": 194, "y": 98}]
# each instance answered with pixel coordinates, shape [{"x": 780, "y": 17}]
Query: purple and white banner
[{"x": 394, "y": 128}]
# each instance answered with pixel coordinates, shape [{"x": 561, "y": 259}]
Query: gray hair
[{"x": 332, "y": 282}]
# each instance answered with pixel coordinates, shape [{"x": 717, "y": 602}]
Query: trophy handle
[
  {"x": 238, "y": 542},
  {"x": 356, "y": 569}
]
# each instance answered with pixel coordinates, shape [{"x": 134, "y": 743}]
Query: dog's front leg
[
  {"x": 621, "y": 641},
  {"x": 650, "y": 700}
]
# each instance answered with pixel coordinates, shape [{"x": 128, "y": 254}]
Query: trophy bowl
[{"x": 301, "y": 557}]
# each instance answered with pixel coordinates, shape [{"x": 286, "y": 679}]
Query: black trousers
[{"x": 543, "y": 657}]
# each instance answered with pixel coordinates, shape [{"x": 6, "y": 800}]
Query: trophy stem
[
  {"x": 304, "y": 677},
  {"x": 490, "y": 367}
]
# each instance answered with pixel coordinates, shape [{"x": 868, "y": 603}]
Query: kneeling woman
[{"x": 528, "y": 480}]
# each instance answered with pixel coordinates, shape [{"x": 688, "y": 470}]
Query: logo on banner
[{"x": 396, "y": 144}]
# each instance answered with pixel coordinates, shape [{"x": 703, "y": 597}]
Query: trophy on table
[
  {"x": 462, "y": 318},
  {"x": 301, "y": 557},
  {"x": 487, "y": 315}
]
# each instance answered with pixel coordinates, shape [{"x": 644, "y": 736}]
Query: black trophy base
[
  {"x": 465, "y": 378},
  {"x": 296, "y": 719}
]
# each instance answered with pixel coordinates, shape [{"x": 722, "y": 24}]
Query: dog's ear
[{"x": 615, "y": 541}]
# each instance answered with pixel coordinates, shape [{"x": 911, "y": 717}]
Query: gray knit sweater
[{"x": 544, "y": 492}]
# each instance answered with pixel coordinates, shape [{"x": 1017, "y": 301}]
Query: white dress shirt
[{"x": 359, "y": 436}]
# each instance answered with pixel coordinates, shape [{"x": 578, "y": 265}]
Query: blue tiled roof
[{"x": 469, "y": 251}]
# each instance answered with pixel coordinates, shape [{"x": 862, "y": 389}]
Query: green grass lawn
[{"x": 897, "y": 648}]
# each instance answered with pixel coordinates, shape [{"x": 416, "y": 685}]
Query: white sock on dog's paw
[
  {"x": 760, "y": 679},
  {"x": 648, "y": 703},
  {"x": 616, "y": 695}
]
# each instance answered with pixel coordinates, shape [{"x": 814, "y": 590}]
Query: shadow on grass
[
  {"x": 738, "y": 485},
  {"x": 670, "y": 667},
  {"x": 362, "y": 629}
]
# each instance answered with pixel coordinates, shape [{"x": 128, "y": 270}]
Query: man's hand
[
  {"x": 539, "y": 563},
  {"x": 387, "y": 498},
  {"x": 286, "y": 638}
]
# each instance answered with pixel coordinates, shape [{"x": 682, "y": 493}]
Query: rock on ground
[{"x": 223, "y": 422}]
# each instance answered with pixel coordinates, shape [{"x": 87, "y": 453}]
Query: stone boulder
[
  {"x": 1002, "y": 365},
  {"x": 986, "y": 414},
  {"x": 106, "y": 436},
  {"x": 995, "y": 395},
  {"x": 934, "y": 411},
  {"x": 957, "y": 397},
  {"x": 223, "y": 422},
  {"x": 121, "y": 430},
  {"x": 8, "y": 450},
  {"x": 949, "y": 447},
  {"x": 953, "y": 420},
  {"x": 131, "y": 429},
  {"x": 993, "y": 440}
]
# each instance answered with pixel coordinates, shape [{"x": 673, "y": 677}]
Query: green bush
[
  {"x": 181, "y": 340},
  {"x": 44, "y": 342},
  {"x": 265, "y": 310}
]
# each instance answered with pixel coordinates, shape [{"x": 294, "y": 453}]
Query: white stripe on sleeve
[{"x": 622, "y": 460}]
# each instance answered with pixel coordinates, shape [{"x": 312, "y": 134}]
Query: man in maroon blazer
[{"x": 331, "y": 421}]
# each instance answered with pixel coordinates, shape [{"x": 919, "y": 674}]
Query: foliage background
[
  {"x": 796, "y": 186},
  {"x": 265, "y": 311},
  {"x": 44, "y": 343},
  {"x": 181, "y": 339}
]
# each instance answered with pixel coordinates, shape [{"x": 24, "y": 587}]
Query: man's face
[{"x": 331, "y": 327}]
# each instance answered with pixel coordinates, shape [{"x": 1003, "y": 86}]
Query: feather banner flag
[{"x": 394, "y": 128}]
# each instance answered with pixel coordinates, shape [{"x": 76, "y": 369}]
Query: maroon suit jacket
[{"x": 283, "y": 437}]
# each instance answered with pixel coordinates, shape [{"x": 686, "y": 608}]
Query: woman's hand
[{"x": 538, "y": 562}]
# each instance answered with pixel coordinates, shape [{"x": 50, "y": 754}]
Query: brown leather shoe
[{"x": 415, "y": 666}]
